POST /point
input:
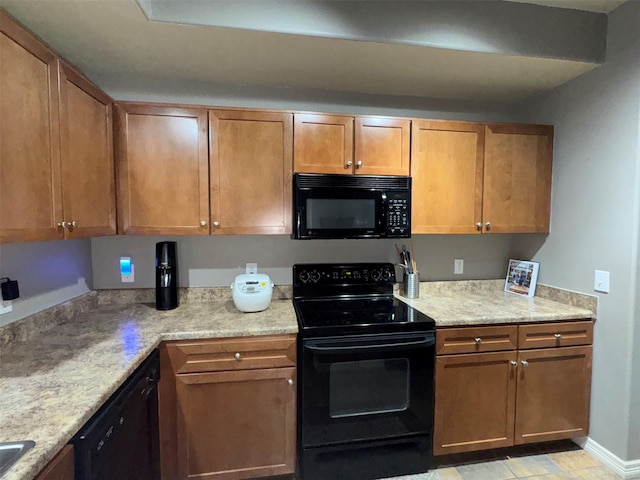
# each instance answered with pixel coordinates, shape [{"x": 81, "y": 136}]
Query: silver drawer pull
[
  {"x": 558, "y": 336},
  {"x": 237, "y": 356},
  {"x": 290, "y": 382},
  {"x": 478, "y": 340},
  {"x": 525, "y": 363},
  {"x": 514, "y": 363}
]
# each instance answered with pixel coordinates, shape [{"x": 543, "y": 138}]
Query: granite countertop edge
[{"x": 112, "y": 340}]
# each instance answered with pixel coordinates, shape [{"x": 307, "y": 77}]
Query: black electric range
[{"x": 365, "y": 375}]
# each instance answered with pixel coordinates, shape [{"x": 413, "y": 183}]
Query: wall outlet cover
[
  {"x": 458, "y": 266},
  {"x": 252, "y": 268},
  {"x": 128, "y": 277},
  {"x": 5, "y": 307}
]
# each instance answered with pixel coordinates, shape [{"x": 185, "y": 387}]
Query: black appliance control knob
[
  {"x": 314, "y": 276},
  {"x": 386, "y": 275},
  {"x": 376, "y": 275},
  {"x": 304, "y": 276}
]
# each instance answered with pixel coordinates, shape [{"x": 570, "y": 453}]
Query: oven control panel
[{"x": 354, "y": 274}]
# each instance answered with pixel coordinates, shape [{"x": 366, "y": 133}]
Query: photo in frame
[{"x": 522, "y": 277}]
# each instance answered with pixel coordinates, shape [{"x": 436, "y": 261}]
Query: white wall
[
  {"x": 48, "y": 273},
  {"x": 594, "y": 220}
]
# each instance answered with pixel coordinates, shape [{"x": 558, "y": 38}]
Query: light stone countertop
[
  {"x": 485, "y": 303},
  {"x": 52, "y": 382}
]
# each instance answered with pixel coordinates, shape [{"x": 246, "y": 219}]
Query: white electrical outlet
[
  {"x": 128, "y": 277},
  {"x": 126, "y": 270},
  {"x": 252, "y": 268},
  {"x": 601, "y": 281},
  {"x": 458, "y": 266},
  {"x": 5, "y": 306}
]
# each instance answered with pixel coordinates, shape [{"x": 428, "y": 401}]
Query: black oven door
[
  {"x": 339, "y": 213},
  {"x": 366, "y": 388}
]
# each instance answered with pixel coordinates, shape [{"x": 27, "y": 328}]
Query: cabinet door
[
  {"x": 322, "y": 144},
  {"x": 475, "y": 402},
  {"x": 236, "y": 425},
  {"x": 382, "y": 146},
  {"x": 554, "y": 391},
  {"x": 517, "y": 178},
  {"x": 162, "y": 170},
  {"x": 251, "y": 162},
  {"x": 446, "y": 167},
  {"x": 61, "y": 467},
  {"x": 86, "y": 137},
  {"x": 30, "y": 193}
]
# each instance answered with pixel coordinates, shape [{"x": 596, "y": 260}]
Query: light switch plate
[
  {"x": 601, "y": 281},
  {"x": 458, "y": 266}
]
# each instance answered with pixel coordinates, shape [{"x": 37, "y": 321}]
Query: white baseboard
[{"x": 626, "y": 469}]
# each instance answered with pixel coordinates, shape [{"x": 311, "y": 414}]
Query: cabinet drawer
[
  {"x": 476, "y": 339},
  {"x": 561, "y": 334},
  {"x": 191, "y": 356}
]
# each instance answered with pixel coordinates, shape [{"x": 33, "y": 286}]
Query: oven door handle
[{"x": 355, "y": 347}]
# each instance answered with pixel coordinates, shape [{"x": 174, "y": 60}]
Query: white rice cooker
[{"x": 252, "y": 292}]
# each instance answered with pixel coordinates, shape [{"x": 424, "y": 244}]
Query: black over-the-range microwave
[{"x": 351, "y": 206}]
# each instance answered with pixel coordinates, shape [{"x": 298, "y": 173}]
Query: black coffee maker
[{"x": 166, "y": 276}]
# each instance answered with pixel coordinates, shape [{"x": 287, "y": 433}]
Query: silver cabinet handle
[
  {"x": 525, "y": 363},
  {"x": 514, "y": 363},
  {"x": 237, "y": 356},
  {"x": 290, "y": 382},
  {"x": 348, "y": 164},
  {"x": 478, "y": 340},
  {"x": 73, "y": 224},
  {"x": 203, "y": 223},
  {"x": 558, "y": 336},
  {"x": 479, "y": 225},
  {"x": 488, "y": 225},
  {"x": 358, "y": 164},
  {"x": 216, "y": 224},
  {"x": 62, "y": 224}
]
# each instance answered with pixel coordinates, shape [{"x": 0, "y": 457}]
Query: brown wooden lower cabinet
[
  {"x": 552, "y": 400},
  {"x": 61, "y": 467},
  {"x": 512, "y": 396},
  {"x": 475, "y": 402},
  {"x": 233, "y": 419}
]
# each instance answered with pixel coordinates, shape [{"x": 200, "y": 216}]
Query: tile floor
[{"x": 557, "y": 461}]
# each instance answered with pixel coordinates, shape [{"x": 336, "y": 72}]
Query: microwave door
[{"x": 342, "y": 215}]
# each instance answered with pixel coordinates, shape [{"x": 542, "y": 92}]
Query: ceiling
[{"x": 493, "y": 63}]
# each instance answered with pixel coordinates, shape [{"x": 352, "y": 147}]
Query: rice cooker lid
[{"x": 253, "y": 283}]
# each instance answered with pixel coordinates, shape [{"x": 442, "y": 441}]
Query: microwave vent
[{"x": 311, "y": 180}]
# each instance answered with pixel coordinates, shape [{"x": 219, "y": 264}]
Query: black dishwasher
[{"x": 121, "y": 441}]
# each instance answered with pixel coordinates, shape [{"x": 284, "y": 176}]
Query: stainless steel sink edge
[{"x": 11, "y": 452}]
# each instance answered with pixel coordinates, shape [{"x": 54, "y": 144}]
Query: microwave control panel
[{"x": 398, "y": 214}]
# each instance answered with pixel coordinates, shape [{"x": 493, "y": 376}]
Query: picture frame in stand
[{"x": 522, "y": 277}]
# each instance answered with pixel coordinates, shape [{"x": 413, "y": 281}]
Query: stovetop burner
[{"x": 335, "y": 300}]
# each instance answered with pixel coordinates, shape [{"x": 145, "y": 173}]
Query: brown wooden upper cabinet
[
  {"x": 517, "y": 178},
  {"x": 250, "y": 158},
  {"x": 446, "y": 170},
  {"x": 86, "y": 141},
  {"x": 162, "y": 166},
  {"x": 56, "y": 167},
  {"x": 360, "y": 145},
  {"x": 30, "y": 183},
  {"x": 475, "y": 178}
]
